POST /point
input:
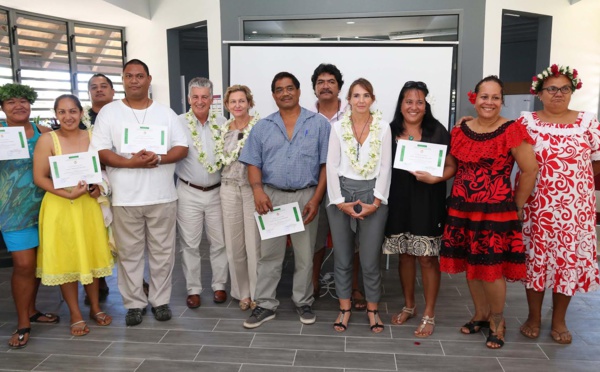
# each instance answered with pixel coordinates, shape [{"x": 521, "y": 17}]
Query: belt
[
  {"x": 288, "y": 190},
  {"x": 200, "y": 187}
]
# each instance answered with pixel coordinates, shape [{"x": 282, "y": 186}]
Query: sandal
[
  {"x": 529, "y": 331},
  {"x": 494, "y": 336},
  {"x": 79, "y": 329},
  {"x": 377, "y": 327},
  {"x": 21, "y": 332},
  {"x": 425, "y": 321},
  {"x": 101, "y": 318},
  {"x": 359, "y": 303},
  {"x": 52, "y": 318},
  {"x": 558, "y": 337},
  {"x": 475, "y": 323},
  {"x": 397, "y": 318},
  {"x": 245, "y": 305},
  {"x": 341, "y": 317}
]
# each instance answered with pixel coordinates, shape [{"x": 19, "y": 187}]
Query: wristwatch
[{"x": 159, "y": 159}]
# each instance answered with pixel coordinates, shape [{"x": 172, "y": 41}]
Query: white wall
[
  {"x": 575, "y": 41},
  {"x": 147, "y": 39}
]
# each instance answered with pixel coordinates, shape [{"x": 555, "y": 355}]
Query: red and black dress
[{"x": 482, "y": 235}]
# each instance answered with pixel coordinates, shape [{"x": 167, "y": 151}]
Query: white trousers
[
  {"x": 241, "y": 238},
  {"x": 197, "y": 209},
  {"x": 135, "y": 228}
]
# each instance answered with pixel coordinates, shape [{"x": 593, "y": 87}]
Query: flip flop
[
  {"x": 21, "y": 332},
  {"x": 101, "y": 318},
  {"x": 53, "y": 318},
  {"x": 81, "y": 327},
  {"x": 558, "y": 337},
  {"x": 529, "y": 331}
]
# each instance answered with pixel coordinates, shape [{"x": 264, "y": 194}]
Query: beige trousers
[
  {"x": 136, "y": 228},
  {"x": 242, "y": 240}
]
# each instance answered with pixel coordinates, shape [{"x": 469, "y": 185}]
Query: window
[{"x": 57, "y": 56}]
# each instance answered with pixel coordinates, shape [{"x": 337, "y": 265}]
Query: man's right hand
[
  {"x": 262, "y": 202},
  {"x": 143, "y": 159}
]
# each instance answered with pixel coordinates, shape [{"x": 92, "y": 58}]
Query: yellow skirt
[{"x": 73, "y": 241}]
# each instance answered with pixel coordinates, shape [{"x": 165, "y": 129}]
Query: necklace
[
  {"x": 229, "y": 157},
  {"x": 361, "y": 134},
  {"x": 410, "y": 138},
  {"x": 145, "y": 110},
  {"x": 215, "y": 130},
  {"x": 373, "y": 158},
  {"x": 337, "y": 114}
]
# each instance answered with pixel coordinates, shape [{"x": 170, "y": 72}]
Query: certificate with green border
[
  {"x": 415, "y": 156},
  {"x": 68, "y": 170},
  {"x": 282, "y": 220}
]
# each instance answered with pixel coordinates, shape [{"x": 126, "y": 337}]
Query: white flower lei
[
  {"x": 85, "y": 119},
  {"x": 233, "y": 155},
  {"x": 348, "y": 136},
  {"x": 215, "y": 130}
]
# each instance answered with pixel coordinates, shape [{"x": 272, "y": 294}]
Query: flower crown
[{"x": 555, "y": 70}]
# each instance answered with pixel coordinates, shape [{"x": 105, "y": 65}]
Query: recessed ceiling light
[
  {"x": 255, "y": 32},
  {"x": 350, "y": 22}
]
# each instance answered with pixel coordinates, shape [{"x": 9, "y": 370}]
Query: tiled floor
[{"x": 211, "y": 338}]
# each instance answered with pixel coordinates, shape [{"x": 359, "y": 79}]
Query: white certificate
[
  {"x": 138, "y": 137},
  {"x": 13, "y": 143},
  {"x": 420, "y": 156},
  {"x": 284, "y": 219},
  {"x": 67, "y": 170}
]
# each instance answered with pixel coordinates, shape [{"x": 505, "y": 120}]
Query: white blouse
[{"x": 339, "y": 165}]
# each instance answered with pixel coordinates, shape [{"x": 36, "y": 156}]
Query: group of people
[{"x": 336, "y": 162}]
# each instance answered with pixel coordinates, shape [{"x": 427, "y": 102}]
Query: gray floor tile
[
  {"x": 208, "y": 338},
  {"x": 84, "y": 364},
  {"x": 421, "y": 363},
  {"x": 273, "y": 341},
  {"x": 125, "y": 334},
  {"x": 20, "y": 360},
  {"x": 48, "y": 346},
  {"x": 264, "y": 368},
  {"x": 309, "y": 358},
  {"x": 246, "y": 355},
  {"x": 527, "y": 365},
  {"x": 274, "y": 326},
  {"x": 179, "y": 366},
  {"x": 421, "y": 347},
  {"x": 575, "y": 351},
  {"x": 151, "y": 351}
]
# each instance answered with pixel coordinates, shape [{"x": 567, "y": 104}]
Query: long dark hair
[{"x": 429, "y": 122}]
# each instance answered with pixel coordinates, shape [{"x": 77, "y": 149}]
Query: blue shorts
[{"x": 21, "y": 240}]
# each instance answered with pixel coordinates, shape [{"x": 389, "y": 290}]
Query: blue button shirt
[{"x": 288, "y": 164}]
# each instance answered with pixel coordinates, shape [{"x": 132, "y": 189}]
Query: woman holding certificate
[
  {"x": 73, "y": 239},
  {"x": 20, "y": 202},
  {"x": 482, "y": 235},
  {"x": 359, "y": 162},
  {"x": 242, "y": 239},
  {"x": 417, "y": 205}
]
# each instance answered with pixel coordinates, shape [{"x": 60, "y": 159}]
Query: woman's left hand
[
  {"x": 425, "y": 177},
  {"x": 94, "y": 191},
  {"x": 366, "y": 210}
]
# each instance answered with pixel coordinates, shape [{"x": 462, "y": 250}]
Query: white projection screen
[{"x": 386, "y": 65}]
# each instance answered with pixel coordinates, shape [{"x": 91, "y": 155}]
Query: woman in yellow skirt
[{"x": 73, "y": 239}]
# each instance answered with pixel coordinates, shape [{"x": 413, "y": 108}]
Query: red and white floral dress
[{"x": 559, "y": 230}]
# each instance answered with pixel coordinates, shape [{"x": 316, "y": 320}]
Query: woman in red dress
[{"x": 482, "y": 235}]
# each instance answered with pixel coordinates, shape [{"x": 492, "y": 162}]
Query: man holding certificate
[
  {"x": 286, "y": 154},
  {"x": 198, "y": 189},
  {"x": 144, "y": 195}
]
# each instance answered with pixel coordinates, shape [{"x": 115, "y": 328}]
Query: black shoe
[
  {"x": 258, "y": 317},
  {"x": 162, "y": 312},
  {"x": 306, "y": 314},
  {"x": 134, "y": 316}
]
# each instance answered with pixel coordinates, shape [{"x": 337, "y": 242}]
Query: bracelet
[
  {"x": 159, "y": 159},
  {"x": 341, "y": 208},
  {"x": 375, "y": 205}
]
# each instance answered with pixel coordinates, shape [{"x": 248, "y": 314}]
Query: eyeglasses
[
  {"x": 289, "y": 89},
  {"x": 553, "y": 90},
  {"x": 415, "y": 84}
]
